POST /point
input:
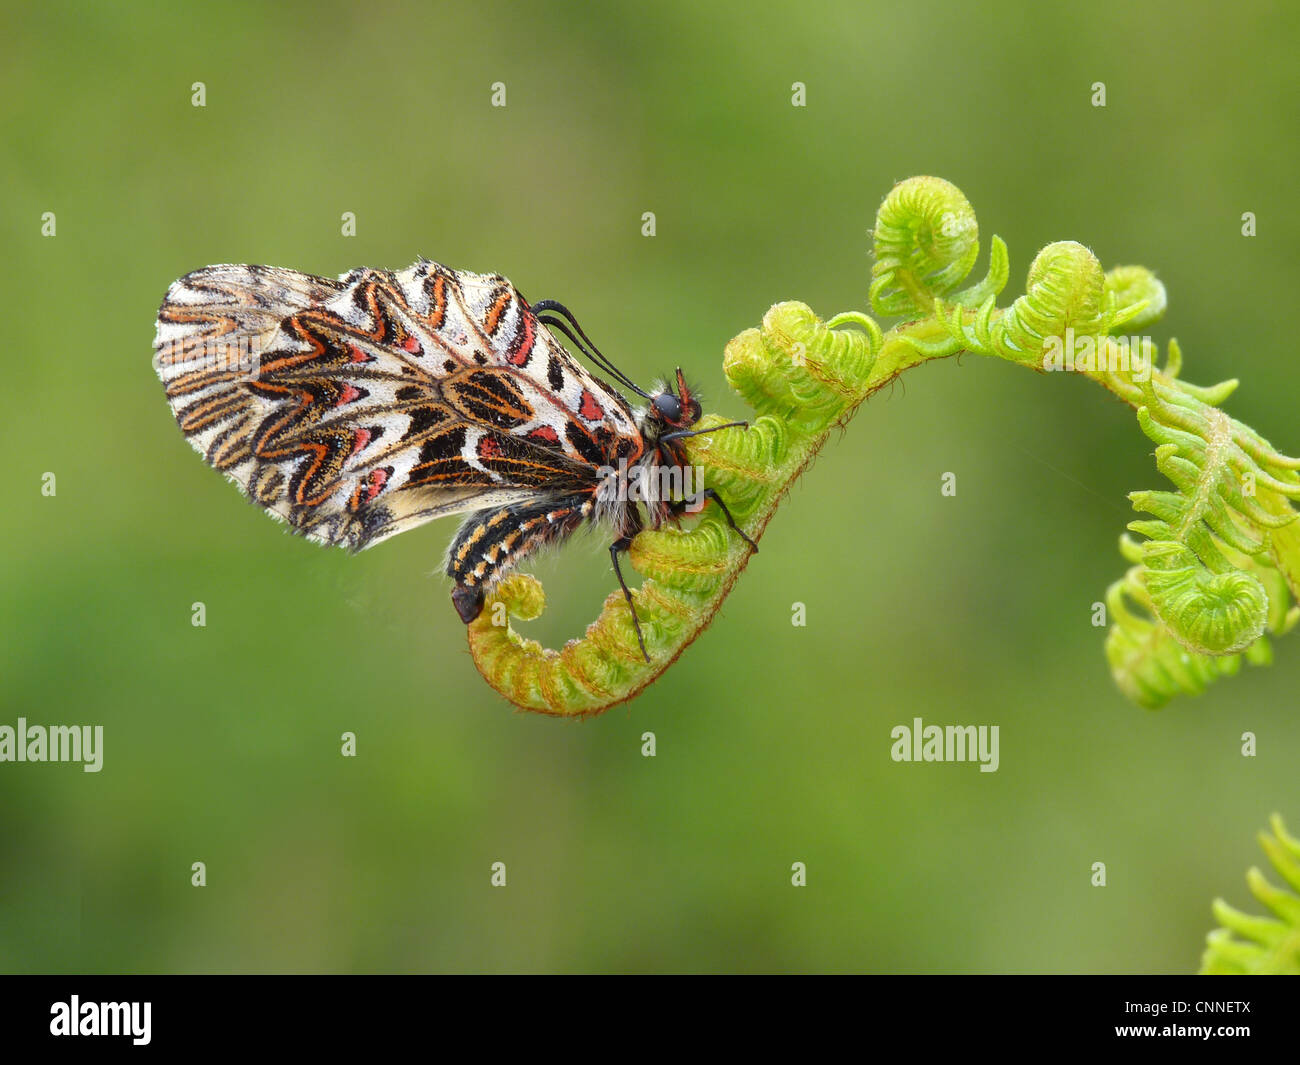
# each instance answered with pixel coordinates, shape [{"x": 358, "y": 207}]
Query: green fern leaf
[{"x": 1248, "y": 945}]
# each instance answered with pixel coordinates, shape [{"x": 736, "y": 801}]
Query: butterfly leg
[
  {"x": 615, "y": 549},
  {"x": 680, "y": 506}
]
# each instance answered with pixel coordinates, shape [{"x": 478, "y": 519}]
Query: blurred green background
[{"x": 222, "y": 743}]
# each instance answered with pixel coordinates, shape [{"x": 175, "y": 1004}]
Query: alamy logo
[
  {"x": 53, "y": 743},
  {"x": 102, "y": 1018},
  {"x": 651, "y": 484},
  {"x": 1088, "y": 354},
  {"x": 946, "y": 743}
]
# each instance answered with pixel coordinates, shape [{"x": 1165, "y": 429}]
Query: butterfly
[{"x": 359, "y": 408}]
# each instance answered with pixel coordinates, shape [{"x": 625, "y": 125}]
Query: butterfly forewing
[{"x": 358, "y": 408}]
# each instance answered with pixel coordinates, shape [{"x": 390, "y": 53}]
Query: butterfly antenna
[
  {"x": 600, "y": 361},
  {"x": 585, "y": 345}
]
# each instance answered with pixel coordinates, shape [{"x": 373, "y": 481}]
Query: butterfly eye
[{"x": 669, "y": 407}]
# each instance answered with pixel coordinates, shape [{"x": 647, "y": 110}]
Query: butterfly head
[{"x": 673, "y": 407}]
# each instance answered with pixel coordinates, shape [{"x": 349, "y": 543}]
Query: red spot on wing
[
  {"x": 358, "y": 355},
  {"x": 360, "y": 439},
  {"x": 589, "y": 408},
  {"x": 350, "y": 392},
  {"x": 524, "y": 345},
  {"x": 489, "y": 448},
  {"x": 544, "y": 433},
  {"x": 369, "y": 487},
  {"x": 375, "y": 482},
  {"x": 411, "y": 345}
]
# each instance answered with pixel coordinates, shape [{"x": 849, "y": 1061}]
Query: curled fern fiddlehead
[
  {"x": 926, "y": 242},
  {"x": 1218, "y": 564},
  {"x": 1148, "y": 663},
  {"x": 1261, "y": 945},
  {"x": 1139, "y": 291}
]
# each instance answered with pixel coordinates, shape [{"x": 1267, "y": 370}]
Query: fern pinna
[{"x": 1260, "y": 946}]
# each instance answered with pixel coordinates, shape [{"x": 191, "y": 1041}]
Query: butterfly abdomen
[{"x": 493, "y": 541}]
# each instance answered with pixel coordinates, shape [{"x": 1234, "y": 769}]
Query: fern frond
[
  {"x": 1248, "y": 945},
  {"x": 1220, "y": 560},
  {"x": 1219, "y": 563}
]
